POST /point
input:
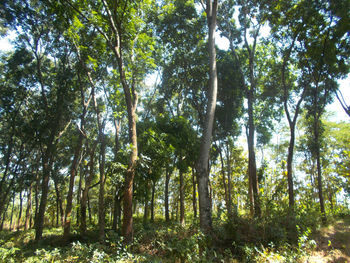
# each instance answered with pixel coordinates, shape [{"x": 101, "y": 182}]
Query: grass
[{"x": 170, "y": 242}]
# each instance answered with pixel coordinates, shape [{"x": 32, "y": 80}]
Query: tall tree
[
  {"x": 203, "y": 160},
  {"x": 127, "y": 34}
]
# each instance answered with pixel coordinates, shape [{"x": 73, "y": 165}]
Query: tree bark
[
  {"x": 101, "y": 202},
  {"x": 60, "y": 212},
  {"x": 319, "y": 171},
  {"x": 4, "y": 216},
  {"x": 229, "y": 183},
  {"x": 228, "y": 204},
  {"x": 152, "y": 200},
  {"x": 81, "y": 176},
  {"x": 203, "y": 160},
  {"x": 127, "y": 228},
  {"x": 182, "y": 198},
  {"x": 39, "y": 219},
  {"x": 194, "y": 194},
  {"x": 29, "y": 208},
  {"x": 145, "y": 210},
  {"x": 84, "y": 197},
  {"x": 13, "y": 207},
  {"x": 290, "y": 167},
  {"x": 166, "y": 194},
  {"x": 117, "y": 209},
  {"x": 73, "y": 171},
  {"x": 251, "y": 143},
  {"x": 20, "y": 211}
]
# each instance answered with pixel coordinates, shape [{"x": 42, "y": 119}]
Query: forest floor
[
  {"x": 333, "y": 243},
  {"x": 159, "y": 243}
]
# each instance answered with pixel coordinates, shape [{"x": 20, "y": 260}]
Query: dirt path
[{"x": 333, "y": 243}]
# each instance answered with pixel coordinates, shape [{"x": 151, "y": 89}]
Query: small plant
[{"x": 7, "y": 254}]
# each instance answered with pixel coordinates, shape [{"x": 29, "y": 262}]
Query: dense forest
[{"x": 128, "y": 135}]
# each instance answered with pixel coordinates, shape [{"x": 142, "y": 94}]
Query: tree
[{"x": 203, "y": 159}]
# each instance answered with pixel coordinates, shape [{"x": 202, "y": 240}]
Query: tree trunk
[
  {"x": 20, "y": 211},
  {"x": 59, "y": 201},
  {"x": 145, "y": 210},
  {"x": 73, "y": 171},
  {"x": 7, "y": 158},
  {"x": 319, "y": 172},
  {"x": 39, "y": 220},
  {"x": 101, "y": 202},
  {"x": 36, "y": 196},
  {"x": 194, "y": 194},
  {"x": 227, "y": 200},
  {"x": 29, "y": 208},
  {"x": 182, "y": 198},
  {"x": 127, "y": 228},
  {"x": 116, "y": 210},
  {"x": 13, "y": 207},
  {"x": 229, "y": 183},
  {"x": 84, "y": 197},
  {"x": 203, "y": 160},
  {"x": 81, "y": 176},
  {"x": 4, "y": 216},
  {"x": 251, "y": 149},
  {"x": 46, "y": 172},
  {"x": 89, "y": 210},
  {"x": 166, "y": 194},
  {"x": 152, "y": 200},
  {"x": 290, "y": 169}
]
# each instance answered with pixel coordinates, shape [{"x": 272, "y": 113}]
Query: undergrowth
[{"x": 238, "y": 240}]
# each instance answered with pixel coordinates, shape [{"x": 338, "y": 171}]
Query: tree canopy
[{"x": 126, "y": 121}]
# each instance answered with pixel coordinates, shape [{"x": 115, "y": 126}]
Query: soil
[{"x": 333, "y": 243}]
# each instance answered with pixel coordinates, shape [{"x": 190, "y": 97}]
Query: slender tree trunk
[
  {"x": 166, "y": 194},
  {"x": 60, "y": 212},
  {"x": 36, "y": 196},
  {"x": 182, "y": 198},
  {"x": 84, "y": 197},
  {"x": 127, "y": 228},
  {"x": 145, "y": 210},
  {"x": 229, "y": 183},
  {"x": 203, "y": 160},
  {"x": 152, "y": 200},
  {"x": 20, "y": 211},
  {"x": 290, "y": 168},
  {"x": 252, "y": 160},
  {"x": 101, "y": 202},
  {"x": 57, "y": 213},
  {"x": 250, "y": 194},
  {"x": 13, "y": 207},
  {"x": 39, "y": 221},
  {"x": 228, "y": 204},
  {"x": 91, "y": 222},
  {"x": 194, "y": 194},
  {"x": 81, "y": 176},
  {"x": 4, "y": 216},
  {"x": 29, "y": 208},
  {"x": 319, "y": 172},
  {"x": 292, "y": 122},
  {"x": 73, "y": 171},
  {"x": 3, "y": 192},
  {"x": 116, "y": 208},
  {"x": 6, "y": 191},
  {"x": 47, "y": 167}
]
